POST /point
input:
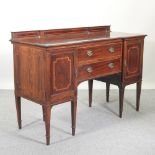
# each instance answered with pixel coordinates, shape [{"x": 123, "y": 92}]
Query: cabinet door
[
  {"x": 62, "y": 72},
  {"x": 133, "y": 59}
]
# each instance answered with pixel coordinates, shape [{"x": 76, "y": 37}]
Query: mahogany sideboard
[{"x": 49, "y": 64}]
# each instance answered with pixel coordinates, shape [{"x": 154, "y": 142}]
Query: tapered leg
[
  {"x": 43, "y": 113},
  {"x": 138, "y": 95},
  {"x": 90, "y": 85},
  {"x": 18, "y": 109},
  {"x": 47, "y": 114},
  {"x": 107, "y": 91},
  {"x": 73, "y": 114},
  {"x": 121, "y": 98}
]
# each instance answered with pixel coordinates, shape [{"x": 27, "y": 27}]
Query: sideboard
[{"x": 50, "y": 64}]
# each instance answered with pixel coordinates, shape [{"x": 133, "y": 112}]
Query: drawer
[
  {"x": 91, "y": 71},
  {"x": 100, "y": 51}
]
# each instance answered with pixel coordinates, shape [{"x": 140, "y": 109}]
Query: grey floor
[{"x": 99, "y": 129}]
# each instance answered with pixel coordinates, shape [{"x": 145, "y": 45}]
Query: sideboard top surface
[{"x": 59, "y": 37}]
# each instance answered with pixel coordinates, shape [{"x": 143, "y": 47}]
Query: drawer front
[
  {"x": 90, "y": 71},
  {"x": 100, "y": 51}
]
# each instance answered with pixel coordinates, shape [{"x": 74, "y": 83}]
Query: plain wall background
[{"x": 135, "y": 16}]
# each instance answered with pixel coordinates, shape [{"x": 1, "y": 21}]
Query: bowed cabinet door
[{"x": 133, "y": 60}]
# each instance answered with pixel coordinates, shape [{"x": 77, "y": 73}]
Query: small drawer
[
  {"x": 100, "y": 51},
  {"x": 86, "y": 72}
]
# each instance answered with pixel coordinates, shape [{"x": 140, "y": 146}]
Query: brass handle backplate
[
  {"x": 89, "y": 53},
  {"x": 111, "y": 65},
  {"x": 89, "y": 69},
  {"x": 111, "y": 50}
]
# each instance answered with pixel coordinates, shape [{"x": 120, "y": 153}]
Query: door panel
[
  {"x": 62, "y": 72},
  {"x": 133, "y": 55}
]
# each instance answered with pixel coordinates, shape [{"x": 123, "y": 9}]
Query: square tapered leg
[{"x": 18, "y": 109}]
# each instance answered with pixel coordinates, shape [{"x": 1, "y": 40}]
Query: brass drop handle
[
  {"x": 111, "y": 50},
  {"x": 89, "y": 69},
  {"x": 89, "y": 53},
  {"x": 111, "y": 65}
]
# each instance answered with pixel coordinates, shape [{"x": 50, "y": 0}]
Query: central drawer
[
  {"x": 94, "y": 70},
  {"x": 99, "y": 51}
]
